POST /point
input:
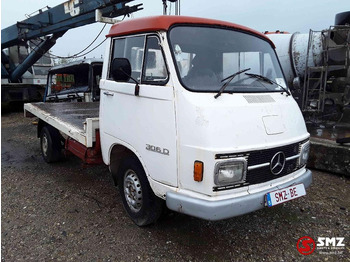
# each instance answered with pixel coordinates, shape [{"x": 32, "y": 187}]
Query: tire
[
  {"x": 139, "y": 201},
  {"x": 50, "y": 144}
]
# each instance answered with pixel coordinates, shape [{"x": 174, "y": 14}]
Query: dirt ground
[{"x": 65, "y": 212}]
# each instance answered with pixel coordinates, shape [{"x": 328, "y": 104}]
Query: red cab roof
[{"x": 158, "y": 23}]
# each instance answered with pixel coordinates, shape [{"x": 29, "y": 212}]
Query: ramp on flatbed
[{"x": 77, "y": 120}]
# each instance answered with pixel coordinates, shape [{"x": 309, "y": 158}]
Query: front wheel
[{"x": 139, "y": 201}]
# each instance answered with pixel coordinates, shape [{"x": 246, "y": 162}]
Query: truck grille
[{"x": 259, "y": 164}]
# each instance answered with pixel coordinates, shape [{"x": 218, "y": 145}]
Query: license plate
[{"x": 285, "y": 194}]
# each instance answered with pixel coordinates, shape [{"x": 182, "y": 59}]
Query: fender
[{"x": 157, "y": 191}]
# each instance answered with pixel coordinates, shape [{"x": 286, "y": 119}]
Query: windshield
[
  {"x": 72, "y": 81},
  {"x": 207, "y": 55}
]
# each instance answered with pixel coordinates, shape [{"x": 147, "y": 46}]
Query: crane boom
[{"x": 55, "y": 21}]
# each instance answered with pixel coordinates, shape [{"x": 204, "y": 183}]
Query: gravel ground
[{"x": 66, "y": 212}]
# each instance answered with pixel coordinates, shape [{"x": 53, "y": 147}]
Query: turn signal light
[{"x": 198, "y": 171}]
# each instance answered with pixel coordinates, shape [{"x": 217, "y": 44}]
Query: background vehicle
[
  {"x": 75, "y": 81},
  {"x": 317, "y": 68},
  {"x": 32, "y": 86}
]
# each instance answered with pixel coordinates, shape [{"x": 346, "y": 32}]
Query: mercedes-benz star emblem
[{"x": 277, "y": 163}]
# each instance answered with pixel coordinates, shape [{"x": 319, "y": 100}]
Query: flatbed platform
[{"x": 77, "y": 120}]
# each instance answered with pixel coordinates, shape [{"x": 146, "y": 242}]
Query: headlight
[
  {"x": 230, "y": 172},
  {"x": 304, "y": 153}
]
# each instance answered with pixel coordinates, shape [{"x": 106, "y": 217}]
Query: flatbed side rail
[{"x": 86, "y": 135}]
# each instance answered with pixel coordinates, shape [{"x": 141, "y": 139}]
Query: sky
[{"x": 261, "y": 15}]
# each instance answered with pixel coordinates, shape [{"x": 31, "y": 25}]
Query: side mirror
[{"x": 121, "y": 69}]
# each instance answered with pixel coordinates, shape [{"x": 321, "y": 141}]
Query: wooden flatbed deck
[{"x": 76, "y": 120}]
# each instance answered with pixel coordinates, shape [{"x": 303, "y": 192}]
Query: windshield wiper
[
  {"x": 229, "y": 79},
  {"x": 264, "y": 78}
]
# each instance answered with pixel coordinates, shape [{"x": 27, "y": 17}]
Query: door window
[
  {"x": 154, "y": 69},
  {"x": 146, "y": 67}
]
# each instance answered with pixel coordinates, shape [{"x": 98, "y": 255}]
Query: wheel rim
[
  {"x": 132, "y": 190},
  {"x": 44, "y": 144}
]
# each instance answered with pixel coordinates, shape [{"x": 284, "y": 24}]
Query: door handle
[{"x": 108, "y": 94}]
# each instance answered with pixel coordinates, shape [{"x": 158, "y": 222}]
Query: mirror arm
[
  {"x": 137, "y": 89},
  {"x": 137, "y": 86}
]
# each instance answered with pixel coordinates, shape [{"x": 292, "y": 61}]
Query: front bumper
[{"x": 222, "y": 209}]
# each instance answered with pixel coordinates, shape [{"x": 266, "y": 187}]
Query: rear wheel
[
  {"x": 50, "y": 143},
  {"x": 139, "y": 201}
]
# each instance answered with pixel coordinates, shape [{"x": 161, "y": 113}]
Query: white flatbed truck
[{"x": 194, "y": 113}]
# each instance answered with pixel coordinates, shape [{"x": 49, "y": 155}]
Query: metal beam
[
  {"x": 34, "y": 56},
  {"x": 63, "y": 17}
]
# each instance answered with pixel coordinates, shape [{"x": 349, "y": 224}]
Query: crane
[
  {"x": 54, "y": 22},
  {"x": 47, "y": 25}
]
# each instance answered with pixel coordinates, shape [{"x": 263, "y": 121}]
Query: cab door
[{"x": 145, "y": 122}]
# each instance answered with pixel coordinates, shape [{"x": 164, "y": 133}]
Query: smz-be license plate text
[{"x": 285, "y": 194}]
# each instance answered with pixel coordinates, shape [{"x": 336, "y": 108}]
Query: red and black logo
[{"x": 306, "y": 245}]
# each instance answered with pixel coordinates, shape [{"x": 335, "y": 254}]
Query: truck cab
[
  {"x": 197, "y": 112},
  {"x": 76, "y": 81}
]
